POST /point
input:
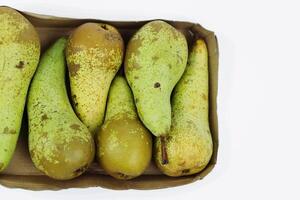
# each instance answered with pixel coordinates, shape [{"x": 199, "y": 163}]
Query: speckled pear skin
[
  {"x": 189, "y": 143},
  {"x": 19, "y": 56},
  {"x": 94, "y": 55},
  {"x": 60, "y": 145},
  {"x": 124, "y": 144},
  {"x": 155, "y": 60}
]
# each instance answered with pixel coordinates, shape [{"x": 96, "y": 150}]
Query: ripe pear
[
  {"x": 19, "y": 56},
  {"x": 60, "y": 145},
  {"x": 155, "y": 60},
  {"x": 124, "y": 144},
  {"x": 189, "y": 143},
  {"x": 94, "y": 55}
]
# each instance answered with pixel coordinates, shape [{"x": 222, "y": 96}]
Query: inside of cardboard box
[{"x": 21, "y": 165}]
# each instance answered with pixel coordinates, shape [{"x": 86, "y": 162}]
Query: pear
[
  {"x": 189, "y": 143},
  {"x": 60, "y": 145},
  {"x": 124, "y": 144},
  {"x": 155, "y": 60},
  {"x": 19, "y": 56},
  {"x": 94, "y": 55}
]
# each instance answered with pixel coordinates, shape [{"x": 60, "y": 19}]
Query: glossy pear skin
[
  {"x": 189, "y": 143},
  {"x": 94, "y": 55},
  {"x": 60, "y": 145},
  {"x": 19, "y": 56},
  {"x": 155, "y": 60},
  {"x": 124, "y": 144}
]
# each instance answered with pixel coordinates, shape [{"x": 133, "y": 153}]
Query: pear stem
[{"x": 164, "y": 154}]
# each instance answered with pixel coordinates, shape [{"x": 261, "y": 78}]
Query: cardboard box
[{"x": 21, "y": 172}]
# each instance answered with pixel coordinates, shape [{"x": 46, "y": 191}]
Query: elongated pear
[
  {"x": 60, "y": 145},
  {"x": 19, "y": 56},
  {"x": 124, "y": 144},
  {"x": 155, "y": 60},
  {"x": 94, "y": 55},
  {"x": 189, "y": 143}
]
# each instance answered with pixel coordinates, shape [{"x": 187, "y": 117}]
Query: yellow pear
[
  {"x": 124, "y": 144},
  {"x": 189, "y": 144},
  {"x": 94, "y": 55}
]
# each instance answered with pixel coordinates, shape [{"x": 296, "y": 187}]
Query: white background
[{"x": 258, "y": 102}]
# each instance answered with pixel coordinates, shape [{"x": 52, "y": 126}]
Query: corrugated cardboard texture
[{"x": 22, "y": 174}]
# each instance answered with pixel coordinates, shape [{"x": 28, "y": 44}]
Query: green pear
[
  {"x": 155, "y": 60},
  {"x": 189, "y": 143},
  {"x": 94, "y": 55},
  {"x": 19, "y": 56},
  {"x": 124, "y": 144},
  {"x": 60, "y": 145}
]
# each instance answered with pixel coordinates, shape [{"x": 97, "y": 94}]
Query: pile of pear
[{"x": 83, "y": 106}]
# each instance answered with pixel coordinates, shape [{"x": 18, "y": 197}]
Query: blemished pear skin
[
  {"x": 124, "y": 144},
  {"x": 19, "y": 56},
  {"x": 60, "y": 145},
  {"x": 189, "y": 143},
  {"x": 155, "y": 60},
  {"x": 94, "y": 55}
]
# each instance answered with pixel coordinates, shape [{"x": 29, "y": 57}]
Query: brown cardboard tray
[{"x": 21, "y": 172}]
